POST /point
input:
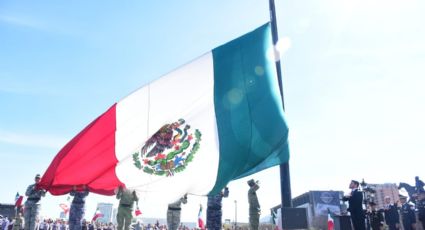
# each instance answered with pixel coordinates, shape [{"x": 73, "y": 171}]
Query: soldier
[
  {"x": 173, "y": 213},
  {"x": 18, "y": 223},
  {"x": 32, "y": 204},
  {"x": 420, "y": 204},
  {"x": 77, "y": 207},
  {"x": 407, "y": 214},
  {"x": 254, "y": 205},
  {"x": 376, "y": 217},
  {"x": 392, "y": 218},
  {"x": 125, "y": 208},
  {"x": 214, "y": 213}
]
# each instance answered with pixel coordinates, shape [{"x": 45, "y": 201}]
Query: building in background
[
  {"x": 106, "y": 210},
  {"x": 114, "y": 216},
  {"x": 317, "y": 204},
  {"x": 7, "y": 210},
  {"x": 383, "y": 190}
]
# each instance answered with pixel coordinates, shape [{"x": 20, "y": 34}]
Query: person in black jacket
[
  {"x": 355, "y": 202},
  {"x": 392, "y": 218},
  {"x": 420, "y": 204},
  {"x": 407, "y": 214},
  {"x": 376, "y": 217}
]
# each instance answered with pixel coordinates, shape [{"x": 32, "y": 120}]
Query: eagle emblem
[{"x": 169, "y": 150}]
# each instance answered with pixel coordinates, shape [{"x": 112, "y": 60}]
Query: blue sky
[{"x": 353, "y": 83}]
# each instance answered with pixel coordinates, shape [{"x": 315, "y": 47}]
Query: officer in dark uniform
[
  {"x": 214, "y": 213},
  {"x": 355, "y": 206},
  {"x": 375, "y": 216},
  {"x": 420, "y": 205},
  {"x": 407, "y": 214},
  {"x": 76, "y": 213},
  {"x": 392, "y": 218}
]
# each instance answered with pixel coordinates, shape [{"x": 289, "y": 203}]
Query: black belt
[
  {"x": 126, "y": 205},
  {"x": 78, "y": 202},
  {"x": 174, "y": 209},
  {"x": 34, "y": 199}
]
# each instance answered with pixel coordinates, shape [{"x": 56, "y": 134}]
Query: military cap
[
  {"x": 402, "y": 197},
  {"x": 251, "y": 182},
  {"x": 37, "y": 176}
]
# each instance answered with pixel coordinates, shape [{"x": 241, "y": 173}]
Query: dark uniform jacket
[
  {"x": 391, "y": 215},
  {"x": 355, "y": 202},
  {"x": 420, "y": 204},
  {"x": 408, "y": 216},
  {"x": 376, "y": 219}
]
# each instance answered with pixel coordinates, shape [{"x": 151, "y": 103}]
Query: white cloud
[
  {"x": 23, "y": 22},
  {"x": 34, "y": 140}
]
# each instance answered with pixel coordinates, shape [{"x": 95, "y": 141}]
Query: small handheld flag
[
  {"x": 137, "y": 212},
  {"x": 330, "y": 221},
  {"x": 64, "y": 207},
  {"x": 97, "y": 214},
  {"x": 18, "y": 200},
  {"x": 201, "y": 224}
]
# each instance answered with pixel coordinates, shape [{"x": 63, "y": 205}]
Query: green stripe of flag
[{"x": 248, "y": 107}]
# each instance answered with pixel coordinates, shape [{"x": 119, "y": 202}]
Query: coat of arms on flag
[{"x": 169, "y": 150}]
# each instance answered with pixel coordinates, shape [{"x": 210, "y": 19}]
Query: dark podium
[{"x": 342, "y": 222}]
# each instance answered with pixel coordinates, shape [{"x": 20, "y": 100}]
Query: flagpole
[{"x": 285, "y": 180}]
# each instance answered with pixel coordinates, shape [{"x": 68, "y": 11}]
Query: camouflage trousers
[
  {"x": 214, "y": 216},
  {"x": 124, "y": 217},
  {"x": 254, "y": 220},
  {"x": 31, "y": 215},
  {"x": 76, "y": 216},
  {"x": 173, "y": 219}
]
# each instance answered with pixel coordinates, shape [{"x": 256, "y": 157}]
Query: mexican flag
[
  {"x": 331, "y": 224},
  {"x": 97, "y": 215},
  {"x": 213, "y": 120},
  {"x": 18, "y": 200}
]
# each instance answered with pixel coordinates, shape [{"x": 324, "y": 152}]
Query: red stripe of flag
[{"x": 89, "y": 158}]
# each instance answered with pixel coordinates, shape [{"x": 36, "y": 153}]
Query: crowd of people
[
  {"x": 27, "y": 218},
  {"x": 374, "y": 219}
]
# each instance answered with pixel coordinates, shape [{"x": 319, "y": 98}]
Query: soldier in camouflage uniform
[
  {"x": 214, "y": 213},
  {"x": 77, "y": 208},
  {"x": 125, "y": 208},
  {"x": 254, "y": 205},
  {"x": 173, "y": 213},
  {"x": 32, "y": 204},
  {"x": 18, "y": 223}
]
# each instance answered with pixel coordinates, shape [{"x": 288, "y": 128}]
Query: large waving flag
[{"x": 218, "y": 117}]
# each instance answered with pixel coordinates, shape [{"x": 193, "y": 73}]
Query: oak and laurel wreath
[{"x": 170, "y": 156}]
